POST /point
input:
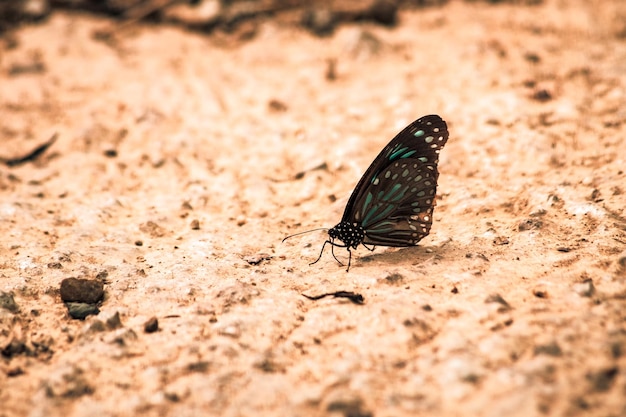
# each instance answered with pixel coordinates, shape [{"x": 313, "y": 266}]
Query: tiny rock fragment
[
  {"x": 151, "y": 326},
  {"x": 195, "y": 224}
]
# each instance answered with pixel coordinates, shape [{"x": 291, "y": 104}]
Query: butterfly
[{"x": 393, "y": 203}]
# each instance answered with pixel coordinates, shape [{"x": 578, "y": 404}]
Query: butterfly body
[{"x": 393, "y": 203}]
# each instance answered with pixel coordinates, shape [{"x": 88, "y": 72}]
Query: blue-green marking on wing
[
  {"x": 397, "y": 153},
  {"x": 372, "y": 216}
]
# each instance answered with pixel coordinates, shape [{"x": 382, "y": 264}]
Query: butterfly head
[{"x": 351, "y": 234}]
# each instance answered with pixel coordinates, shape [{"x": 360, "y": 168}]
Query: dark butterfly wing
[
  {"x": 398, "y": 206},
  {"x": 394, "y": 199}
]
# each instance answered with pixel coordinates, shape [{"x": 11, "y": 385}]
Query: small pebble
[{"x": 151, "y": 326}]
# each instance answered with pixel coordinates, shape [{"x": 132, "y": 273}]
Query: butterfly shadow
[{"x": 413, "y": 254}]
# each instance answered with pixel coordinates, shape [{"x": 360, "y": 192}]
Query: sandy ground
[{"x": 514, "y": 305}]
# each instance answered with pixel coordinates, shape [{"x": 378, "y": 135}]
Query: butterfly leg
[
  {"x": 349, "y": 259},
  {"x": 321, "y": 252},
  {"x": 369, "y": 249},
  {"x": 332, "y": 246},
  {"x": 332, "y": 250}
]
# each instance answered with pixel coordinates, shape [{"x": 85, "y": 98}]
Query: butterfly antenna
[{"x": 302, "y": 233}]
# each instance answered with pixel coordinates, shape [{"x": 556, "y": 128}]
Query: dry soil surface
[{"x": 182, "y": 160}]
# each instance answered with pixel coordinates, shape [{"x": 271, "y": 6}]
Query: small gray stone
[{"x": 81, "y": 310}]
